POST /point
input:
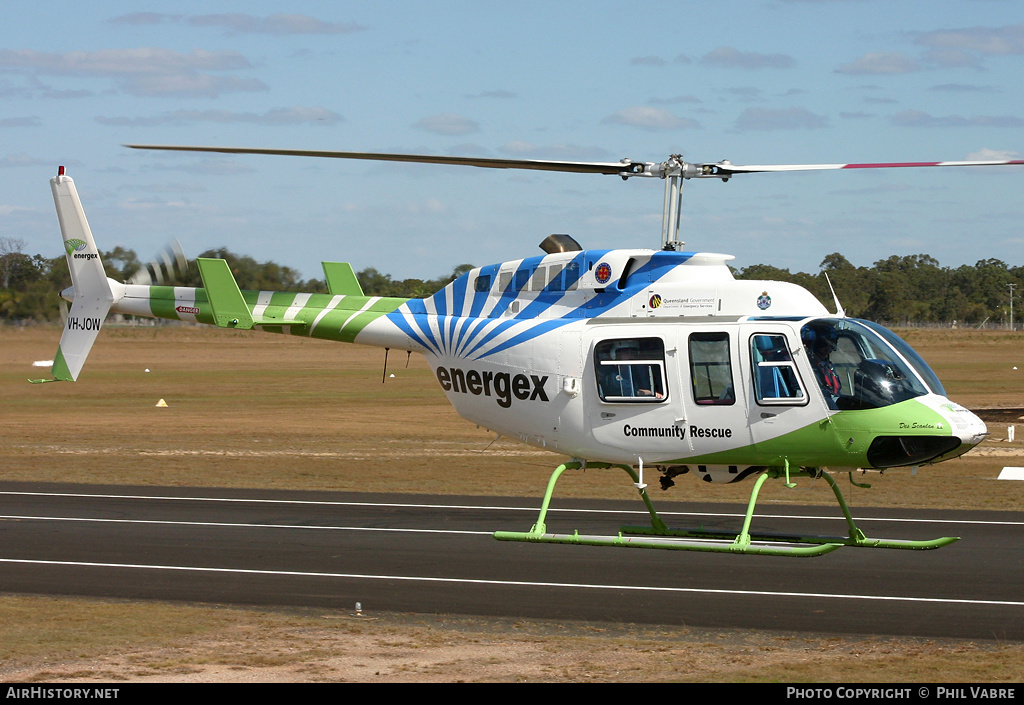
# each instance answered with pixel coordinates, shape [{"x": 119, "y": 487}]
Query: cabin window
[
  {"x": 522, "y": 279},
  {"x": 555, "y": 280},
  {"x": 711, "y": 369},
  {"x": 631, "y": 370},
  {"x": 572, "y": 276},
  {"x": 504, "y": 279},
  {"x": 483, "y": 283},
  {"x": 775, "y": 377},
  {"x": 540, "y": 279}
]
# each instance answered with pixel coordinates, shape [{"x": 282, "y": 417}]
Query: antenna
[{"x": 840, "y": 311}]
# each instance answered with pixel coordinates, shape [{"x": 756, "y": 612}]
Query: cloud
[
  {"x": 215, "y": 166},
  {"x": 447, "y": 124},
  {"x": 119, "y": 62},
  {"x": 189, "y": 84},
  {"x": 675, "y": 99},
  {"x": 31, "y": 121},
  {"x": 239, "y": 23},
  {"x": 648, "y": 118},
  {"x": 728, "y": 57},
  {"x": 992, "y": 41},
  {"x": 144, "y": 71},
  {"x": 919, "y": 118},
  {"x": 280, "y": 24},
  {"x": 648, "y": 61},
  {"x": 992, "y": 155},
  {"x": 963, "y": 88},
  {"x": 880, "y": 63},
  {"x": 779, "y": 119},
  {"x": 135, "y": 19},
  {"x": 20, "y": 160},
  {"x": 296, "y": 115},
  {"x": 493, "y": 94},
  {"x": 557, "y": 152}
]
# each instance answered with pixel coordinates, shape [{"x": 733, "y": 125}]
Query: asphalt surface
[{"x": 423, "y": 554}]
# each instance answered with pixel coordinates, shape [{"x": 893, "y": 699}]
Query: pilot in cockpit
[{"x": 820, "y": 344}]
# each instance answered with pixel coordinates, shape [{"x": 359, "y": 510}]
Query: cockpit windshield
[{"x": 862, "y": 365}]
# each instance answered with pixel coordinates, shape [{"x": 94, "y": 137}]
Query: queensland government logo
[
  {"x": 764, "y": 301},
  {"x": 655, "y": 301}
]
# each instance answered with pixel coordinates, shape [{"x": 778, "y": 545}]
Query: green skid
[
  {"x": 663, "y": 537},
  {"x": 624, "y": 541}
]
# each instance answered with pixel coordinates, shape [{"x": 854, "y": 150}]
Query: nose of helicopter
[
  {"x": 964, "y": 424},
  {"x": 946, "y": 431},
  {"x": 975, "y": 431}
]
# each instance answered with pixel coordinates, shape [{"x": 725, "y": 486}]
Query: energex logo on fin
[
  {"x": 503, "y": 386},
  {"x": 74, "y": 249}
]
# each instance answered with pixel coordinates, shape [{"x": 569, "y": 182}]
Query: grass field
[
  {"x": 249, "y": 409},
  {"x": 256, "y": 410}
]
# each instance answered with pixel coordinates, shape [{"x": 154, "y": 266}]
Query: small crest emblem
[
  {"x": 764, "y": 301},
  {"x": 603, "y": 273}
]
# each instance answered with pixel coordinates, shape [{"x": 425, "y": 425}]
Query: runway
[{"x": 423, "y": 554}]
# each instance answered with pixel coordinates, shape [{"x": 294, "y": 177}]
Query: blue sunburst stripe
[
  {"x": 494, "y": 333},
  {"x": 402, "y": 323},
  {"x": 423, "y": 323},
  {"x": 540, "y": 328},
  {"x": 507, "y": 297},
  {"x": 475, "y": 330},
  {"x": 460, "y": 294},
  {"x": 512, "y": 291},
  {"x": 480, "y": 297},
  {"x": 465, "y": 335},
  {"x": 461, "y": 328}
]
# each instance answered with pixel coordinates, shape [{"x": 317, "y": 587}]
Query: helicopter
[{"x": 639, "y": 360}]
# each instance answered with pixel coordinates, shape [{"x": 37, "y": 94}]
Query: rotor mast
[
  {"x": 675, "y": 171},
  {"x": 672, "y": 213}
]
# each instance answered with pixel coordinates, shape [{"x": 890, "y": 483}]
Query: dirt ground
[
  {"x": 159, "y": 643},
  {"x": 256, "y": 410}
]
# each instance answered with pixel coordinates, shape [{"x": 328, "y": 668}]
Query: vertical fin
[
  {"x": 92, "y": 294},
  {"x": 341, "y": 279},
  {"x": 229, "y": 308}
]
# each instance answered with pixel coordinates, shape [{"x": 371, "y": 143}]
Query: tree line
[
  {"x": 912, "y": 289},
  {"x": 30, "y": 285},
  {"x": 899, "y": 291}
]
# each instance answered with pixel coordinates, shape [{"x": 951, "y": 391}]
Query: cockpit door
[{"x": 787, "y": 414}]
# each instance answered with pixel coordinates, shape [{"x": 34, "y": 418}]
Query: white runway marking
[
  {"x": 517, "y": 583},
  {"x": 231, "y": 525},
  {"x": 393, "y": 505}
]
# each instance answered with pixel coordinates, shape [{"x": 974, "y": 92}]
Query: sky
[{"x": 755, "y": 82}]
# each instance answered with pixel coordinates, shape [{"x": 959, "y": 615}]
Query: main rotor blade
[
  {"x": 673, "y": 167},
  {"x": 754, "y": 168},
  {"x": 617, "y": 168}
]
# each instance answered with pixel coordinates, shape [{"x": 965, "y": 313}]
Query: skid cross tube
[{"x": 660, "y": 536}]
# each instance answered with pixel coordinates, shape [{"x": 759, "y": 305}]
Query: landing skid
[{"x": 659, "y": 535}]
